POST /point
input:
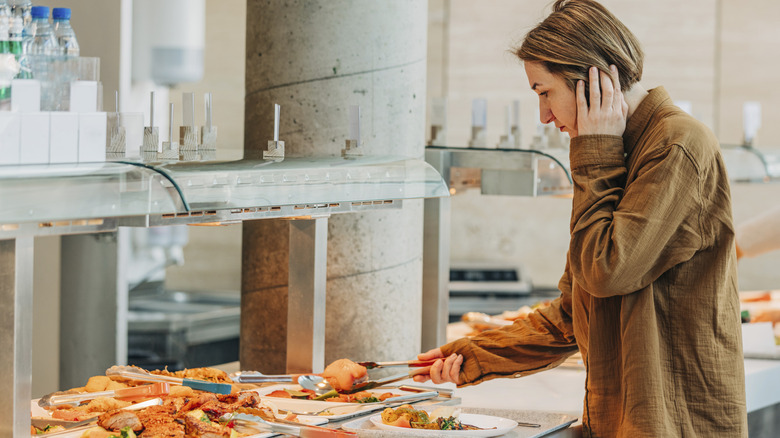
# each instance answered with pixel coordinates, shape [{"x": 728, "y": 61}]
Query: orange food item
[
  {"x": 279, "y": 393},
  {"x": 755, "y": 298},
  {"x": 342, "y": 373}
]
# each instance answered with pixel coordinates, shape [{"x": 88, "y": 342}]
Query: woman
[{"x": 649, "y": 292}]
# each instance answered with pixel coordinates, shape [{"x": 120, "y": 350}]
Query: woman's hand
[
  {"x": 608, "y": 108},
  {"x": 443, "y": 370}
]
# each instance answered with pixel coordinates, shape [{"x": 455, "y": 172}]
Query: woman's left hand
[{"x": 608, "y": 108}]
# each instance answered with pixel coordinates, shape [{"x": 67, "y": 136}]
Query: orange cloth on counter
[{"x": 649, "y": 294}]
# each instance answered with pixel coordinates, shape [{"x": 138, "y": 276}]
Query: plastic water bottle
[
  {"x": 16, "y": 46},
  {"x": 5, "y": 48},
  {"x": 41, "y": 49},
  {"x": 40, "y": 38},
  {"x": 63, "y": 32},
  {"x": 21, "y": 9}
]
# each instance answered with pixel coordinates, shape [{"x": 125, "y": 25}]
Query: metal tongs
[
  {"x": 258, "y": 377},
  {"x": 130, "y": 394},
  {"x": 400, "y": 363},
  {"x": 135, "y": 373},
  {"x": 303, "y": 431}
]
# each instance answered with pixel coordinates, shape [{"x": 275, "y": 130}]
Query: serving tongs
[
  {"x": 135, "y": 373},
  {"x": 400, "y": 363},
  {"x": 129, "y": 394},
  {"x": 72, "y": 426},
  {"x": 320, "y": 385},
  {"x": 302, "y": 430},
  {"x": 258, "y": 377}
]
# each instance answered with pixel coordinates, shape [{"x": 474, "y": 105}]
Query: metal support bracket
[
  {"x": 306, "y": 295},
  {"x": 16, "y": 303}
]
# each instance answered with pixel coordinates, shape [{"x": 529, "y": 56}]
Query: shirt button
[{"x": 517, "y": 375}]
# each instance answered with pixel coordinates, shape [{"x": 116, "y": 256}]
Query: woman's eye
[{"x": 543, "y": 93}]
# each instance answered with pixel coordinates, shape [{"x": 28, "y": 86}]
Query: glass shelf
[
  {"x": 303, "y": 181},
  {"x": 126, "y": 189},
  {"x": 62, "y": 192},
  {"x": 514, "y": 172},
  {"x": 750, "y": 164}
]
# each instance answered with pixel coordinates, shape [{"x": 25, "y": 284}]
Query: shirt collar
[{"x": 637, "y": 123}]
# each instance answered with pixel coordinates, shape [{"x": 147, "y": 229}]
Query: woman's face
[{"x": 557, "y": 102}]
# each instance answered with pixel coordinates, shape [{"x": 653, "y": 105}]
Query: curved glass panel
[
  {"x": 295, "y": 181},
  {"x": 514, "y": 172},
  {"x": 747, "y": 163},
  {"x": 54, "y": 192}
]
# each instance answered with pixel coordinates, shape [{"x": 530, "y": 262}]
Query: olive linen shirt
[{"x": 649, "y": 293}]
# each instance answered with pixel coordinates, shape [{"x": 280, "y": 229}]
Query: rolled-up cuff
[
  {"x": 470, "y": 370},
  {"x": 596, "y": 150}
]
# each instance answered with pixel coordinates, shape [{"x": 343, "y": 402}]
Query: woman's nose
[{"x": 545, "y": 115}]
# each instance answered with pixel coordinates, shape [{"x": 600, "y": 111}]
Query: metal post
[
  {"x": 16, "y": 302},
  {"x": 436, "y": 272},
  {"x": 306, "y": 295},
  {"x": 436, "y": 258}
]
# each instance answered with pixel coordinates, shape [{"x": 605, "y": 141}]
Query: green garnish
[
  {"x": 371, "y": 399},
  {"x": 127, "y": 432},
  {"x": 329, "y": 394}
]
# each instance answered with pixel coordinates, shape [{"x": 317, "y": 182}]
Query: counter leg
[
  {"x": 16, "y": 325},
  {"x": 436, "y": 272},
  {"x": 306, "y": 295}
]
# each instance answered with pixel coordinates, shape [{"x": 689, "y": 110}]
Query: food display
[
  {"x": 307, "y": 394},
  {"x": 761, "y": 306},
  {"x": 479, "y": 322},
  {"x": 183, "y": 412},
  {"x": 444, "y": 418}
]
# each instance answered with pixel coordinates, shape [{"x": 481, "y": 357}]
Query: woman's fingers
[
  {"x": 620, "y": 104},
  {"x": 430, "y": 354},
  {"x": 446, "y": 370},
  {"x": 455, "y": 370},
  {"x": 582, "y": 103},
  {"x": 607, "y": 91},
  {"x": 595, "y": 94}
]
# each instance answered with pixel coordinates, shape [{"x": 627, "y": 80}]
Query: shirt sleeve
[
  {"x": 541, "y": 341},
  {"x": 623, "y": 237}
]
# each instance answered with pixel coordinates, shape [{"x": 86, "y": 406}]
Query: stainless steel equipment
[
  {"x": 492, "y": 289},
  {"x": 182, "y": 330}
]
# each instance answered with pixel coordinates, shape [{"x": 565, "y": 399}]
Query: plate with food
[
  {"x": 445, "y": 420},
  {"x": 294, "y": 399}
]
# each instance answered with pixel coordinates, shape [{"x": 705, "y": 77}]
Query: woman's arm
[{"x": 542, "y": 340}]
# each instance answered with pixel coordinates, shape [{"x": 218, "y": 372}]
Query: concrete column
[{"x": 316, "y": 58}]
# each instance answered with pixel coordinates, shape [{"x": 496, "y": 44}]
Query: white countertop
[{"x": 563, "y": 389}]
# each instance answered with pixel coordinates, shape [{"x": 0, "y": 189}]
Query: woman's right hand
[{"x": 443, "y": 370}]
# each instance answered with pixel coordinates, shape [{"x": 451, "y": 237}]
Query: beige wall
[
  {"x": 213, "y": 256},
  {"x": 714, "y": 54}
]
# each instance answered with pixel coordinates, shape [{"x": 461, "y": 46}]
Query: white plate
[
  {"x": 338, "y": 411},
  {"x": 491, "y": 426}
]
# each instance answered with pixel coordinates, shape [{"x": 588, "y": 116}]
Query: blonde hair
[{"x": 579, "y": 34}]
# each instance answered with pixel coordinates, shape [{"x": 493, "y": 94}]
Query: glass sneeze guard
[
  {"x": 61, "y": 192},
  {"x": 304, "y": 181},
  {"x": 38, "y": 193}
]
